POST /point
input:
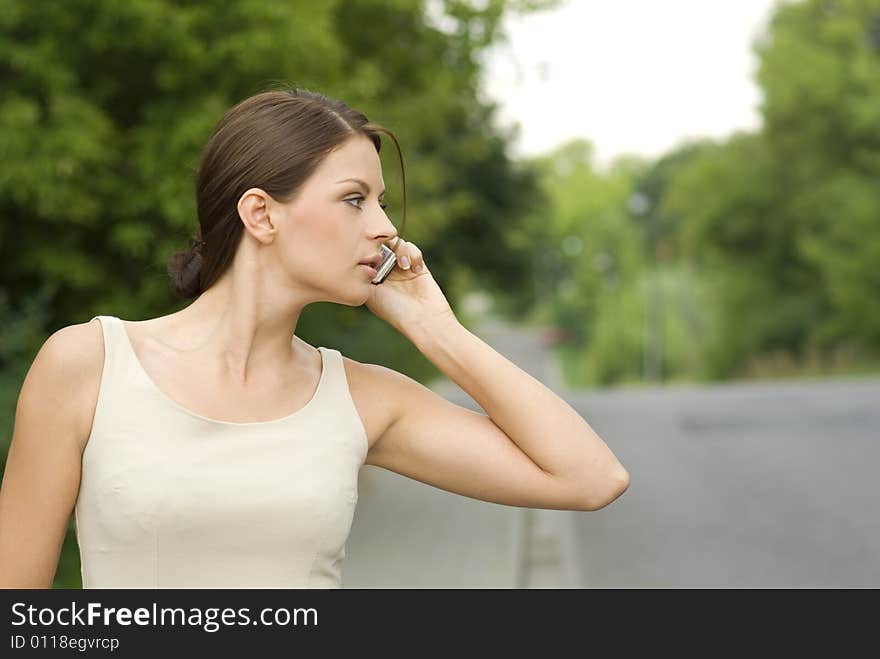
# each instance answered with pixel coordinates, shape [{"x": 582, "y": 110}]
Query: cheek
[
  {"x": 327, "y": 220},
  {"x": 317, "y": 228},
  {"x": 324, "y": 240},
  {"x": 327, "y": 241}
]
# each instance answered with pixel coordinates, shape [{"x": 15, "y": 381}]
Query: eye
[{"x": 382, "y": 205}]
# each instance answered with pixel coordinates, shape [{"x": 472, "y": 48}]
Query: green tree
[
  {"x": 588, "y": 276},
  {"x": 788, "y": 218},
  {"x": 737, "y": 228},
  {"x": 820, "y": 72}
]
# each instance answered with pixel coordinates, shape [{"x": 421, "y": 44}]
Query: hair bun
[{"x": 185, "y": 270}]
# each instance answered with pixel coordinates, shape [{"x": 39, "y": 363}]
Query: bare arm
[
  {"x": 531, "y": 450},
  {"x": 42, "y": 473}
]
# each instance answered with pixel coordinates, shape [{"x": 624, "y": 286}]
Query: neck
[{"x": 242, "y": 325}]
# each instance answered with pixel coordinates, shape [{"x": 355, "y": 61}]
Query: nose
[{"x": 384, "y": 228}]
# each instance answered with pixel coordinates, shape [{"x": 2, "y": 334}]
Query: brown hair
[{"x": 273, "y": 141}]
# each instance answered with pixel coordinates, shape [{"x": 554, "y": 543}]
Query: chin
[
  {"x": 355, "y": 296},
  {"x": 352, "y": 292}
]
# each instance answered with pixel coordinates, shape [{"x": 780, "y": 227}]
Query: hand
[{"x": 409, "y": 297}]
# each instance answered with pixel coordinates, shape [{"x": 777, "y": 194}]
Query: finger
[
  {"x": 407, "y": 254},
  {"x": 417, "y": 259}
]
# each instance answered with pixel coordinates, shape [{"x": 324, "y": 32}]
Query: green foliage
[
  {"x": 594, "y": 245},
  {"x": 106, "y": 106},
  {"x": 795, "y": 209},
  {"x": 761, "y": 247},
  {"x": 736, "y": 222},
  {"x": 820, "y": 70}
]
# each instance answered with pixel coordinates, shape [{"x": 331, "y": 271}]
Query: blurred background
[{"x": 668, "y": 212}]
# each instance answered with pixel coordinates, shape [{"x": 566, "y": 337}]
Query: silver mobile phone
[{"x": 386, "y": 265}]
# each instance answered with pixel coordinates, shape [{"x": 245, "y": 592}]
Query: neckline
[{"x": 248, "y": 424}]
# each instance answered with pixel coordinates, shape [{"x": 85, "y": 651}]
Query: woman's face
[{"x": 334, "y": 222}]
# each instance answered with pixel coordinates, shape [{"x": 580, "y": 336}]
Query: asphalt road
[{"x": 748, "y": 485}]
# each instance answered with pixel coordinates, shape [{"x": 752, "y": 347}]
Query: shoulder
[
  {"x": 380, "y": 394},
  {"x": 67, "y": 370},
  {"x": 82, "y": 343},
  {"x": 379, "y": 379},
  {"x": 74, "y": 350}
]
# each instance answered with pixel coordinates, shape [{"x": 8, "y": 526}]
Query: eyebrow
[{"x": 363, "y": 184}]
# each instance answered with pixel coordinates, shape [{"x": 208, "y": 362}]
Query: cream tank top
[{"x": 172, "y": 499}]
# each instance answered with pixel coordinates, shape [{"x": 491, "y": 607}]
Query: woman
[{"x": 212, "y": 447}]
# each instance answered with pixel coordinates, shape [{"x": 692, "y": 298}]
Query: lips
[{"x": 373, "y": 262}]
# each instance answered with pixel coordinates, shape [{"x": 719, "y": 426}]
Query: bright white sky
[{"x": 631, "y": 76}]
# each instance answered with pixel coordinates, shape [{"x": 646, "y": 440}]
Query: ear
[{"x": 253, "y": 209}]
